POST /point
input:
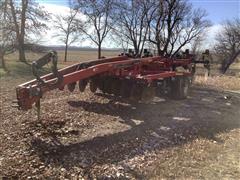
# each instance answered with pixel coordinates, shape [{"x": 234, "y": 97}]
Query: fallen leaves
[{"x": 87, "y": 136}]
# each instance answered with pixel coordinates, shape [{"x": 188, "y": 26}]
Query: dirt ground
[{"x": 97, "y": 136}]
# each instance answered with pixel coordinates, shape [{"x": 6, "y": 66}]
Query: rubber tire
[
  {"x": 136, "y": 92},
  {"x": 82, "y": 84},
  {"x": 93, "y": 86},
  {"x": 125, "y": 90},
  {"x": 116, "y": 87},
  {"x": 101, "y": 84},
  {"x": 71, "y": 86},
  {"x": 179, "y": 88},
  {"x": 107, "y": 82}
]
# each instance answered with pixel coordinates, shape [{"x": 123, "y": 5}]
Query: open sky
[{"x": 217, "y": 10}]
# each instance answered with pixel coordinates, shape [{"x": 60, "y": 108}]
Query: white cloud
[
  {"x": 55, "y": 9},
  {"x": 211, "y": 35},
  {"x": 209, "y": 38},
  {"x": 49, "y": 39},
  {"x": 48, "y": 36}
]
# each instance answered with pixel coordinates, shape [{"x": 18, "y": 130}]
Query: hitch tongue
[{"x": 37, "y": 104}]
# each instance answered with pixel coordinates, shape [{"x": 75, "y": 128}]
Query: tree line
[{"x": 165, "y": 25}]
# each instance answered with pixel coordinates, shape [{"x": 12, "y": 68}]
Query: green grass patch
[
  {"x": 18, "y": 69},
  {"x": 2, "y": 73}
]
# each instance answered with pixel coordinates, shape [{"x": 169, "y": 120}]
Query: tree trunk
[
  {"x": 160, "y": 52},
  {"x": 3, "y": 62},
  {"x": 22, "y": 57},
  {"x": 65, "y": 55},
  {"x": 99, "y": 51},
  {"x": 229, "y": 62},
  {"x": 136, "y": 50},
  {"x": 20, "y": 31},
  {"x": 66, "y": 46}
]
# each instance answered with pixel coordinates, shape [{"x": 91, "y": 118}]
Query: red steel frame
[{"x": 146, "y": 69}]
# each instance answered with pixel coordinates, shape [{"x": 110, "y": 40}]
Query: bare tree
[
  {"x": 98, "y": 22},
  {"x": 174, "y": 25},
  {"x": 228, "y": 43},
  {"x": 27, "y": 16},
  {"x": 7, "y": 38},
  {"x": 131, "y": 26},
  {"x": 68, "y": 27},
  {"x": 196, "y": 44}
]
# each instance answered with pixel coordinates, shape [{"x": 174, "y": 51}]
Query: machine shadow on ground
[{"x": 162, "y": 124}]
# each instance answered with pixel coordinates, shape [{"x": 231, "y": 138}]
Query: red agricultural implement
[{"x": 139, "y": 79}]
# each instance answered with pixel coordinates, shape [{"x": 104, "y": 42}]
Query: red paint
[{"x": 148, "y": 69}]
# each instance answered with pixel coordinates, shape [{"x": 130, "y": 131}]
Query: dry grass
[
  {"x": 202, "y": 158},
  {"x": 219, "y": 82}
]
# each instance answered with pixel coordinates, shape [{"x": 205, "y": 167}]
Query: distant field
[
  {"x": 81, "y": 55},
  {"x": 20, "y": 69},
  {"x": 86, "y": 55}
]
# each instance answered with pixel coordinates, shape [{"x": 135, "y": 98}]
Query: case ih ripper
[{"x": 139, "y": 79}]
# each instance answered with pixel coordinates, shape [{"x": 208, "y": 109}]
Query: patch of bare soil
[{"x": 87, "y": 136}]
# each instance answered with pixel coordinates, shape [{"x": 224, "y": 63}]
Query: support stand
[{"x": 38, "y": 109}]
